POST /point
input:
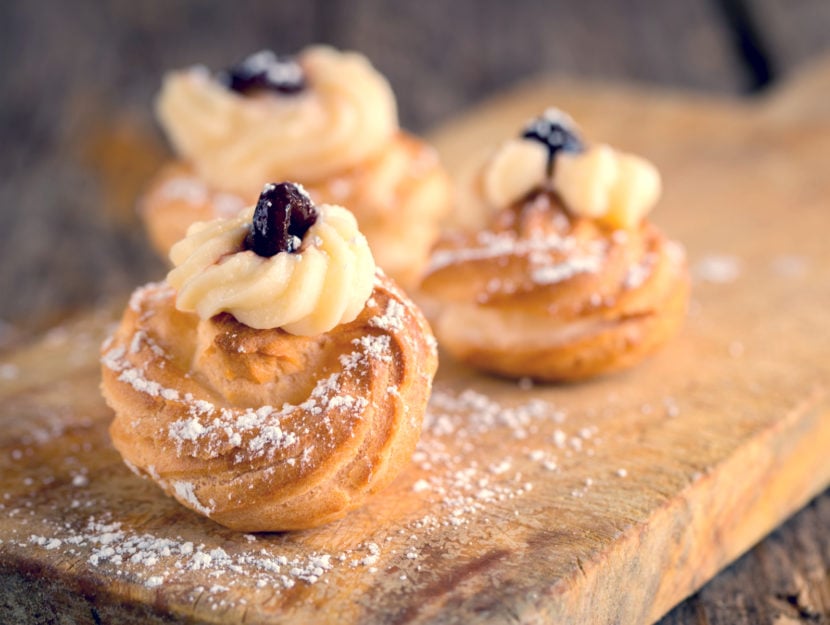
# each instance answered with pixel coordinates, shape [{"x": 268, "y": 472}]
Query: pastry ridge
[
  {"x": 261, "y": 430},
  {"x": 548, "y": 295}
]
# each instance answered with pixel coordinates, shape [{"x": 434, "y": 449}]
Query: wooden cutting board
[{"x": 604, "y": 502}]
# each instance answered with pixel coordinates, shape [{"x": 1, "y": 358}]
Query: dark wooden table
[{"x": 79, "y": 141}]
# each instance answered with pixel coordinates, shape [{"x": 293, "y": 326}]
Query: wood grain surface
[{"x": 606, "y": 502}]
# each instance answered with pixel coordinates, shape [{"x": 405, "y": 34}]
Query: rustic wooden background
[{"x": 78, "y": 141}]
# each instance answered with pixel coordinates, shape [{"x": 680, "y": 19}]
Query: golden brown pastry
[
  {"x": 293, "y": 417},
  {"x": 326, "y": 119},
  {"x": 565, "y": 278}
]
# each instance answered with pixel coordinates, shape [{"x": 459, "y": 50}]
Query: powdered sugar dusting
[
  {"x": 717, "y": 268},
  {"x": 184, "y": 492},
  {"x": 186, "y": 429},
  {"x": 392, "y": 320},
  {"x": 457, "y": 424},
  {"x": 565, "y": 270},
  {"x": 491, "y": 245},
  {"x": 790, "y": 266},
  {"x": 154, "y": 559},
  {"x": 135, "y": 378},
  {"x": 637, "y": 274},
  {"x": 151, "y": 292},
  {"x": 377, "y": 347},
  {"x": 8, "y": 371},
  {"x": 211, "y": 431},
  {"x": 552, "y": 258}
]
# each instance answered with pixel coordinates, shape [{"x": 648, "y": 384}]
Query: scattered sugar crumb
[
  {"x": 717, "y": 268},
  {"x": 110, "y": 545},
  {"x": 185, "y": 492},
  {"x": 565, "y": 270},
  {"x": 502, "y": 467},
  {"x": 640, "y": 272},
  {"x": 789, "y": 266}
]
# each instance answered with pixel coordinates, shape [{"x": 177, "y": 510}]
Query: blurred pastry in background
[
  {"x": 325, "y": 119},
  {"x": 558, "y": 273},
  {"x": 276, "y": 379}
]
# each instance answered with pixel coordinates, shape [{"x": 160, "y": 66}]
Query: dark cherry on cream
[
  {"x": 265, "y": 71},
  {"x": 284, "y": 213},
  {"x": 555, "y": 133}
]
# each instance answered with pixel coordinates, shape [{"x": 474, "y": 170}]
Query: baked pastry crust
[
  {"x": 399, "y": 197},
  {"x": 262, "y": 430},
  {"x": 548, "y": 295}
]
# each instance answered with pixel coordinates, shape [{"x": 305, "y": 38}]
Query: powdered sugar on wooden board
[
  {"x": 106, "y": 544},
  {"x": 453, "y": 488},
  {"x": 717, "y": 268},
  {"x": 448, "y": 486}
]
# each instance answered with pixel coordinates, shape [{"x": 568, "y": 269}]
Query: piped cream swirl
[
  {"x": 346, "y": 113},
  {"x": 613, "y": 187},
  {"x": 310, "y": 292}
]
